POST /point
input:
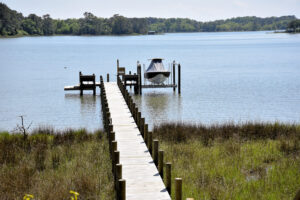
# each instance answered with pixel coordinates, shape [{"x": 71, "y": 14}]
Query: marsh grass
[
  {"x": 242, "y": 161},
  {"x": 49, "y": 164}
]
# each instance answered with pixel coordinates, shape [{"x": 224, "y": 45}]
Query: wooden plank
[{"x": 138, "y": 169}]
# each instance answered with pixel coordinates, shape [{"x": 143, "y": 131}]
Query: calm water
[{"x": 250, "y": 76}]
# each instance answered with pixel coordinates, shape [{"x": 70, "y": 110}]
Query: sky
[{"x": 201, "y": 10}]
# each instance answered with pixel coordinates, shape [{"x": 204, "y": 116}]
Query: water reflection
[
  {"x": 87, "y": 102},
  {"x": 88, "y": 107},
  {"x": 159, "y": 106}
]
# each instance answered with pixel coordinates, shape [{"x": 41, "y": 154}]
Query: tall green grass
[
  {"x": 234, "y": 161},
  {"x": 49, "y": 164}
]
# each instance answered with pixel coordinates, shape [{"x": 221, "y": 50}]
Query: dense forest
[{"x": 13, "y": 23}]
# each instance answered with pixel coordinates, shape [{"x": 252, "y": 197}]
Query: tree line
[
  {"x": 294, "y": 26},
  {"x": 13, "y": 23}
]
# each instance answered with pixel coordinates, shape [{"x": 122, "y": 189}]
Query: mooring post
[
  {"x": 155, "y": 152},
  {"x": 168, "y": 177},
  {"x": 174, "y": 81},
  {"x": 94, "y": 85},
  {"x": 178, "y": 189},
  {"x": 179, "y": 79},
  {"x": 139, "y": 72},
  {"x": 80, "y": 84},
  {"x": 107, "y": 77},
  {"x": 161, "y": 163}
]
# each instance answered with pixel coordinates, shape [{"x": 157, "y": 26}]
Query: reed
[
  {"x": 242, "y": 161},
  {"x": 50, "y": 163}
]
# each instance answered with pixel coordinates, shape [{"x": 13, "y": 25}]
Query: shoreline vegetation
[
  {"x": 49, "y": 164},
  {"x": 14, "y": 24},
  {"x": 226, "y": 161},
  {"x": 245, "y": 161}
]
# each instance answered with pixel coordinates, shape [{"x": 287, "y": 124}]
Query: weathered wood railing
[
  {"x": 120, "y": 184},
  {"x": 152, "y": 144}
]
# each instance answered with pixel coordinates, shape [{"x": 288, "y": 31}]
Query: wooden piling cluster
[
  {"x": 120, "y": 184},
  {"x": 164, "y": 169}
]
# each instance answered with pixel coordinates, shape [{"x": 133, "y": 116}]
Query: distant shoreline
[
  {"x": 18, "y": 25},
  {"x": 124, "y": 35}
]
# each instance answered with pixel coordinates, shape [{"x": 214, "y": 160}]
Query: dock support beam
[
  {"x": 174, "y": 81},
  {"x": 179, "y": 79},
  {"x": 139, "y": 72}
]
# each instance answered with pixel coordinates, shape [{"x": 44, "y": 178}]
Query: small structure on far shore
[{"x": 151, "y": 32}]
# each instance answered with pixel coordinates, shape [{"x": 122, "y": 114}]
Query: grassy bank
[
  {"x": 49, "y": 165},
  {"x": 249, "y": 161}
]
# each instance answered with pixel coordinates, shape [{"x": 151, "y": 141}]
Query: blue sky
[{"x": 195, "y": 9}]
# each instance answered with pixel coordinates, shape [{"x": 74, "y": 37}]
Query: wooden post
[
  {"x": 146, "y": 134},
  {"x": 168, "y": 177},
  {"x": 161, "y": 163},
  {"x": 110, "y": 127},
  {"x": 139, "y": 119},
  {"x": 111, "y": 138},
  {"x": 178, "y": 189},
  {"x": 139, "y": 72},
  {"x": 118, "y": 64},
  {"x": 94, "y": 85},
  {"x": 119, "y": 171},
  {"x": 142, "y": 124},
  {"x": 107, "y": 77},
  {"x": 80, "y": 84},
  {"x": 297, "y": 197},
  {"x": 136, "y": 115},
  {"x": 118, "y": 175},
  {"x": 116, "y": 160},
  {"x": 122, "y": 187},
  {"x": 114, "y": 147},
  {"x": 155, "y": 151},
  {"x": 174, "y": 81},
  {"x": 179, "y": 79},
  {"x": 150, "y": 142}
]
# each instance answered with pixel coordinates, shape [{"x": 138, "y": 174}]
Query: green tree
[
  {"x": 47, "y": 25},
  {"x": 294, "y": 26},
  {"x": 10, "y": 20},
  {"x": 121, "y": 25}
]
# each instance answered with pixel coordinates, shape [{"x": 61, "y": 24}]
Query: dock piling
[
  {"x": 155, "y": 152},
  {"x": 179, "y": 79},
  {"x": 178, "y": 189},
  {"x": 122, "y": 191},
  {"x": 168, "y": 177},
  {"x": 161, "y": 163},
  {"x": 174, "y": 81}
]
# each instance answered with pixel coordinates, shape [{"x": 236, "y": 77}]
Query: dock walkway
[{"x": 143, "y": 181}]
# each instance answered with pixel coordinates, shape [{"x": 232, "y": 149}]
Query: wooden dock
[{"x": 143, "y": 181}]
